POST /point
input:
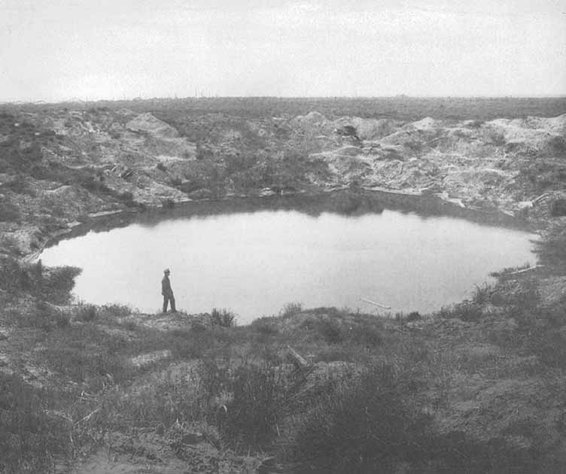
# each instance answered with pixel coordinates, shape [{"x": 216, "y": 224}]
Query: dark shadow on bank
[{"x": 348, "y": 202}]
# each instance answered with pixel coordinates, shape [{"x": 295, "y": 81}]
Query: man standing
[{"x": 167, "y": 292}]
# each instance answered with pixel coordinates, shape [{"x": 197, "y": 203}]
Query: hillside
[
  {"x": 59, "y": 167},
  {"x": 473, "y": 388}
]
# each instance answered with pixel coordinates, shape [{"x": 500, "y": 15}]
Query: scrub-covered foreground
[{"x": 478, "y": 387}]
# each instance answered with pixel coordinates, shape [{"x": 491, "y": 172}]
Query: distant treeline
[{"x": 401, "y": 107}]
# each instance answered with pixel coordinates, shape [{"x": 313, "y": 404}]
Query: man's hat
[{"x": 166, "y": 271}]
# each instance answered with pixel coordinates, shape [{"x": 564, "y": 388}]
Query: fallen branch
[
  {"x": 376, "y": 304},
  {"x": 540, "y": 198},
  {"x": 525, "y": 270},
  {"x": 298, "y": 360}
]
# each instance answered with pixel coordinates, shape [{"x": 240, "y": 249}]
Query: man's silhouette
[{"x": 167, "y": 292}]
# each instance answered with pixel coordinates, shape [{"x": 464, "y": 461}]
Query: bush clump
[
  {"x": 86, "y": 313},
  {"x": 256, "y": 407},
  {"x": 53, "y": 285},
  {"x": 223, "y": 318},
  {"x": 368, "y": 427}
]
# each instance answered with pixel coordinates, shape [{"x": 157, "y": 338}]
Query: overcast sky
[{"x": 56, "y": 50}]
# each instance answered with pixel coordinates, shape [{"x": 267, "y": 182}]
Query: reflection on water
[{"x": 253, "y": 263}]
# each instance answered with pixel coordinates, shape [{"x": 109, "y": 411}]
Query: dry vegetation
[
  {"x": 478, "y": 387},
  {"x": 374, "y": 395}
]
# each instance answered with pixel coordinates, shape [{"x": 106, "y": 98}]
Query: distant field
[{"x": 402, "y": 108}]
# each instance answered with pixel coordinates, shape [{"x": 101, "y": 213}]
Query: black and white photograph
[{"x": 282, "y": 237}]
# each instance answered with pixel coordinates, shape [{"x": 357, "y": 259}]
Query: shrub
[
  {"x": 115, "y": 310},
  {"x": 465, "y": 311},
  {"x": 253, "y": 414},
  {"x": 413, "y": 316},
  {"x": 265, "y": 326},
  {"x": 290, "y": 309},
  {"x": 366, "y": 427},
  {"x": 53, "y": 285},
  {"x": 85, "y": 312},
  {"x": 223, "y": 318},
  {"x": 57, "y": 284},
  {"x": 331, "y": 331},
  {"x": 167, "y": 203},
  {"x": 482, "y": 294}
]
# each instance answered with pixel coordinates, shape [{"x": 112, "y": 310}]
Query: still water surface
[{"x": 254, "y": 263}]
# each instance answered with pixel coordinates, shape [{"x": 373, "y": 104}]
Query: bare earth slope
[{"x": 61, "y": 166}]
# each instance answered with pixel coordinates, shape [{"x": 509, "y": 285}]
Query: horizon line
[{"x": 330, "y": 97}]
